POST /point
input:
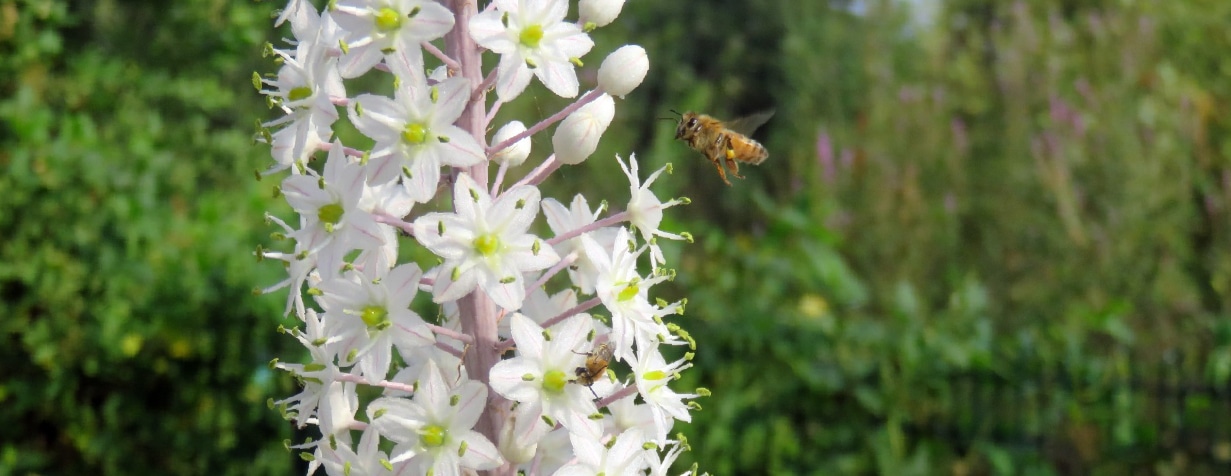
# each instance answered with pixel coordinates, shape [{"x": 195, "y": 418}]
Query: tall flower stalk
[{"x": 495, "y": 382}]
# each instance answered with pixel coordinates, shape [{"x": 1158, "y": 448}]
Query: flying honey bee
[
  {"x": 595, "y": 366},
  {"x": 724, "y": 143}
]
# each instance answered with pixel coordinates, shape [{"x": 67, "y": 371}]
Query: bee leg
[
  {"x": 593, "y": 392},
  {"x": 732, "y": 164},
  {"x": 722, "y": 172}
]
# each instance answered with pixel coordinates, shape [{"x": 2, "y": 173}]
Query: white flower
[
  {"x": 599, "y": 12},
  {"x": 627, "y": 414},
  {"x": 435, "y": 428},
  {"x": 646, "y": 210},
  {"x": 485, "y": 244},
  {"x": 652, "y": 374},
  {"x": 624, "y": 456},
  {"x": 304, "y": 89},
  {"x": 299, "y": 266},
  {"x": 369, "y": 314},
  {"x": 317, "y": 375},
  {"x": 339, "y": 459},
  {"x": 414, "y": 133},
  {"x": 577, "y": 135},
  {"x": 626, "y": 294},
  {"x": 623, "y": 70},
  {"x": 660, "y": 467},
  {"x": 540, "y": 307},
  {"x": 391, "y": 29},
  {"x": 578, "y": 215},
  {"x": 541, "y": 374},
  {"x": 514, "y": 154},
  {"x": 333, "y": 222},
  {"x": 531, "y": 36}
]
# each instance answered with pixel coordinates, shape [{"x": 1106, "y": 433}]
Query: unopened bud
[
  {"x": 623, "y": 70},
  {"x": 577, "y": 136},
  {"x": 516, "y": 153},
  {"x": 599, "y": 12}
]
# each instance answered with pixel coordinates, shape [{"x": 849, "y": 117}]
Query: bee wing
[
  {"x": 604, "y": 352},
  {"x": 748, "y": 124}
]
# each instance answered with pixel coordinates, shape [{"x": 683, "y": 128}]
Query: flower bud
[
  {"x": 577, "y": 136},
  {"x": 623, "y": 70},
  {"x": 599, "y": 12},
  {"x": 514, "y": 154}
]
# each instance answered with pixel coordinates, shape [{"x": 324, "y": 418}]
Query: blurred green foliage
[
  {"x": 1026, "y": 198},
  {"x": 131, "y": 339},
  {"x": 995, "y": 239}
]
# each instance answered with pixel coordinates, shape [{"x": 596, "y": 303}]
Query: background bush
[{"x": 992, "y": 237}]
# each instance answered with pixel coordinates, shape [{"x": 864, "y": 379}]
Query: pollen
[
  {"x": 487, "y": 244},
  {"x": 414, "y": 134},
  {"x": 331, "y": 213},
  {"x": 388, "y": 20},
  {"x": 554, "y": 380},
  {"x": 628, "y": 292},
  {"x": 374, "y": 315},
  {"x": 531, "y": 36},
  {"x": 432, "y": 436}
]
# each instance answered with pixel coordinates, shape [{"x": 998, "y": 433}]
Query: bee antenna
[{"x": 676, "y": 112}]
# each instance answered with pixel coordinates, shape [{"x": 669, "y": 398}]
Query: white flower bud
[
  {"x": 577, "y": 135},
  {"x": 514, "y": 154},
  {"x": 599, "y": 12},
  {"x": 623, "y": 70}
]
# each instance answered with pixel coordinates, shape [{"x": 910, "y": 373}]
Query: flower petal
[
  {"x": 528, "y": 335},
  {"x": 506, "y": 379},
  {"x": 445, "y": 289},
  {"x": 513, "y": 77},
  {"x": 402, "y": 283},
  {"x": 480, "y": 453},
  {"x": 399, "y": 418},
  {"x": 559, "y": 77},
  {"x": 515, "y": 210}
]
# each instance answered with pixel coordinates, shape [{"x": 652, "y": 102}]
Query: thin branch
[
  {"x": 488, "y": 81},
  {"x": 383, "y": 383},
  {"x": 450, "y": 333},
  {"x": 382, "y": 217},
  {"x": 350, "y": 151},
  {"x": 623, "y": 392},
  {"x": 544, "y": 169},
  {"x": 585, "y": 306},
  {"x": 555, "y": 269},
  {"x": 450, "y": 349},
  {"x": 504, "y": 167},
  {"x": 449, "y": 62},
  {"x": 568, "y": 235},
  {"x": 547, "y": 171},
  {"x": 557, "y": 117},
  {"x": 504, "y": 346},
  {"x": 491, "y": 113}
]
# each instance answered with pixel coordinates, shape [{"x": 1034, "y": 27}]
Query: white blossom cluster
[{"x": 496, "y": 381}]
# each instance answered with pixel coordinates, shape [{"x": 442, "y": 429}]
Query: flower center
[
  {"x": 554, "y": 380},
  {"x": 387, "y": 20},
  {"x": 654, "y": 375},
  {"x": 414, "y": 134},
  {"x": 331, "y": 213},
  {"x": 531, "y": 36},
  {"x": 628, "y": 292},
  {"x": 432, "y": 436},
  {"x": 487, "y": 245},
  {"x": 299, "y": 93},
  {"x": 374, "y": 315}
]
